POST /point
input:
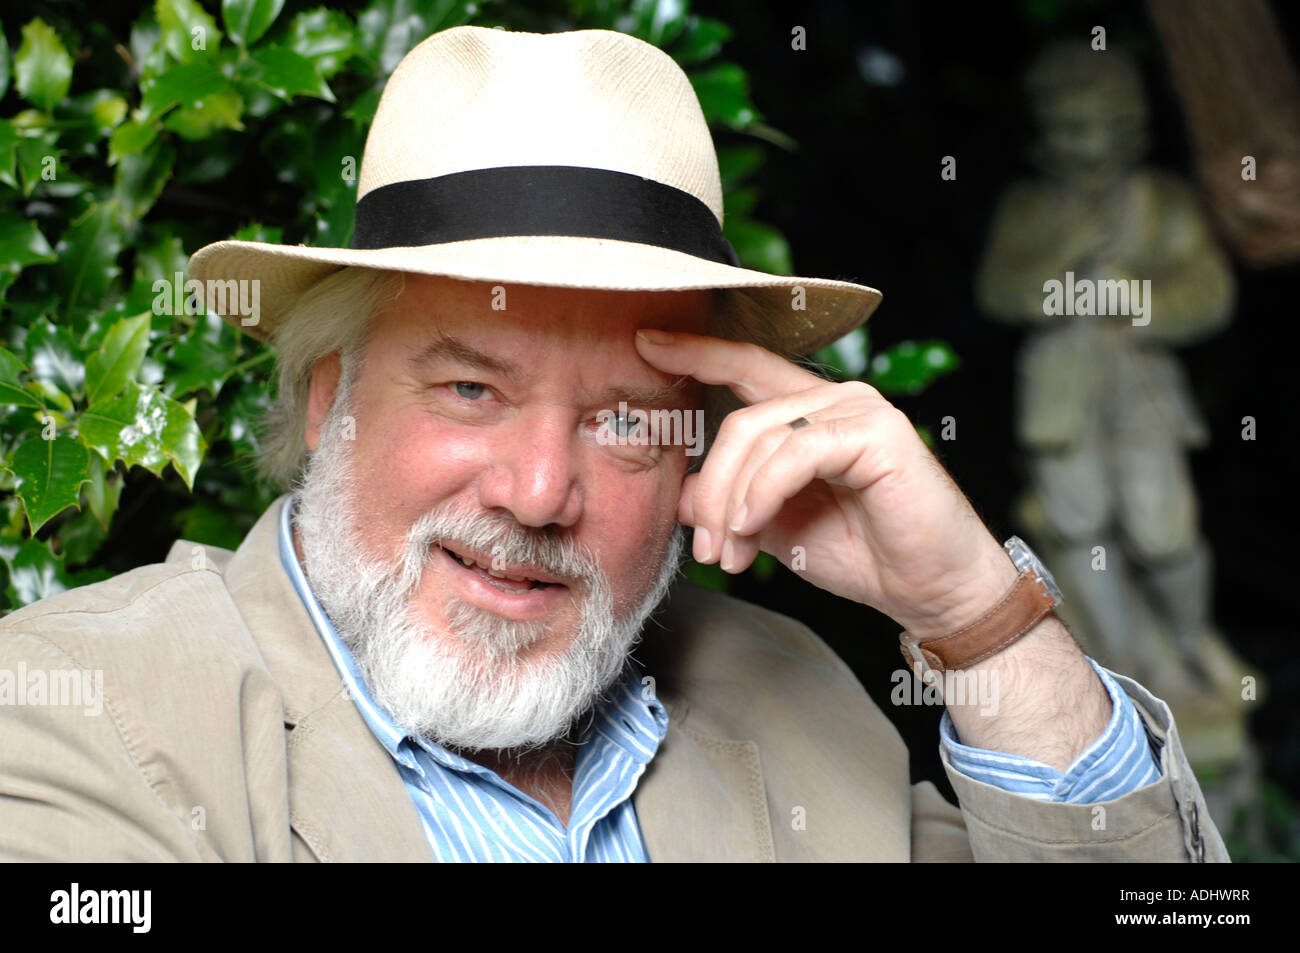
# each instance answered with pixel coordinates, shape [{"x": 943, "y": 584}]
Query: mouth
[{"x": 509, "y": 578}]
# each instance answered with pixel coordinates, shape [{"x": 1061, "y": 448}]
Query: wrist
[
  {"x": 963, "y": 639},
  {"x": 989, "y": 580}
]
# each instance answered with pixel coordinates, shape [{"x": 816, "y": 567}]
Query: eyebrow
[
  {"x": 645, "y": 396},
  {"x": 443, "y": 347}
]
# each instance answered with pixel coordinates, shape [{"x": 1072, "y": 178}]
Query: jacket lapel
[{"x": 347, "y": 800}]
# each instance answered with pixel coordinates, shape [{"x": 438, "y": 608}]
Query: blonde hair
[
  {"x": 334, "y": 315},
  {"x": 337, "y": 314}
]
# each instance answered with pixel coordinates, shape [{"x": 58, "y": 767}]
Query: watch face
[{"x": 1025, "y": 558}]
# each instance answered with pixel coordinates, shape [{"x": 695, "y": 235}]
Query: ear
[{"x": 325, "y": 376}]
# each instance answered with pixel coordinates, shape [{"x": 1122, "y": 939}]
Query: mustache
[{"x": 545, "y": 551}]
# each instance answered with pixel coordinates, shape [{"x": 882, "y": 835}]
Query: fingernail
[
  {"x": 654, "y": 337},
  {"x": 728, "y": 555},
  {"x": 738, "y": 520},
  {"x": 701, "y": 545}
]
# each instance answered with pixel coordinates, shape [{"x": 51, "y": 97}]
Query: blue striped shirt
[{"x": 469, "y": 813}]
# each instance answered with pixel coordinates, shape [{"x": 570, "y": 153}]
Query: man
[{"x": 430, "y": 650}]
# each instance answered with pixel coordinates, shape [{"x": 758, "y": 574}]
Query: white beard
[{"x": 464, "y": 688}]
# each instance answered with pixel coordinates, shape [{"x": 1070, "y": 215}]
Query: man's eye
[
  {"x": 470, "y": 390},
  {"x": 624, "y": 425}
]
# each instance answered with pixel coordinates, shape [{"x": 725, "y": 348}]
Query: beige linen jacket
[{"x": 225, "y": 734}]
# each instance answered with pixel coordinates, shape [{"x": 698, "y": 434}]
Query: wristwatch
[{"x": 1032, "y": 596}]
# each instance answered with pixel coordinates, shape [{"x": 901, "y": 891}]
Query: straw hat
[{"x": 577, "y": 159}]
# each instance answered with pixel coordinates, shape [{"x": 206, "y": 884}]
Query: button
[{"x": 1197, "y": 841}]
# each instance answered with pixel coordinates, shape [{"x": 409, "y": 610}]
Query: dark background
[{"x": 861, "y": 200}]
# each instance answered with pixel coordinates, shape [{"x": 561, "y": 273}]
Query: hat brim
[{"x": 831, "y": 309}]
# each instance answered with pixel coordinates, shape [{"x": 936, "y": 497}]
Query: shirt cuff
[{"x": 1122, "y": 760}]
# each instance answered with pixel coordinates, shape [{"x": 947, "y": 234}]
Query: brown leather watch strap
[{"x": 1022, "y": 608}]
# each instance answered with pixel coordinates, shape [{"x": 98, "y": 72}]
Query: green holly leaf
[
  {"x": 737, "y": 163},
  {"x": 723, "y": 92},
  {"x": 286, "y": 74},
  {"x": 909, "y": 366},
  {"x": 140, "y": 179},
  {"x": 146, "y": 46},
  {"x": 257, "y": 232},
  {"x": 108, "y": 111},
  {"x": 4, "y": 63},
  {"x": 42, "y": 66},
  {"x": 9, "y": 139},
  {"x": 183, "y": 85},
  {"x": 162, "y": 257},
  {"x": 12, "y": 392},
  {"x": 247, "y": 20},
  {"x": 248, "y": 407},
  {"x": 21, "y": 242},
  {"x": 210, "y": 114},
  {"x": 144, "y": 427},
  {"x": 702, "y": 41},
  {"x": 362, "y": 111},
  {"x": 658, "y": 22},
  {"x": 54, "y": 358},
  {"x": 390, "y": 28},
  {"x": 38, "y": 158},
  {"x": 50, "y": 474},
  {"x": 326, "y": 37},
  {"x": 118, "y": 358},
  {"x": 188, "y": 32},
  {"x": 129, "y": 138},
  {"x": 34, "y": 572},
  {"x": 759, "y": 246},
  {"x": 197, "y": 364},
  {"x": 88, "y": 254},
  {"x": 103, "y": 491},
  {"x": 80, "y": 537}
]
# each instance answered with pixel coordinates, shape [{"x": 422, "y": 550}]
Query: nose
[{"x": 533, "y": 471}]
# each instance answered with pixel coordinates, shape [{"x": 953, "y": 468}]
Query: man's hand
[{"x": 879, "y": 520}]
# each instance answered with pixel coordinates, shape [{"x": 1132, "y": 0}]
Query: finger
[
  {"x": 753, "y": 373},
  {"x": 746, "y": 437},
  {"x": 827, "y": 450},
  {"x": 738, "y": 552},
  {"x": 744, "y": 533},
  {"x": 685, "y": 502},
  {"x": 700, "y": 545}
]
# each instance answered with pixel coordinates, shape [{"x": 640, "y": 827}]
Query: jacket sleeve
[
  {"x": 1165, "y": 821},
  {"x": 938, "y": 829},
  {"x": 70, "y": 785}
]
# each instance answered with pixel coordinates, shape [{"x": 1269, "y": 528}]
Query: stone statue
[{"x": 1110, "y": 264}]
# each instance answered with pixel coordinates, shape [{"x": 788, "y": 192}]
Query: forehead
[{"x": 543, "y": 313}]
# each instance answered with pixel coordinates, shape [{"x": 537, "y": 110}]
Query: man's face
[{"x": 477, "y": 436}]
